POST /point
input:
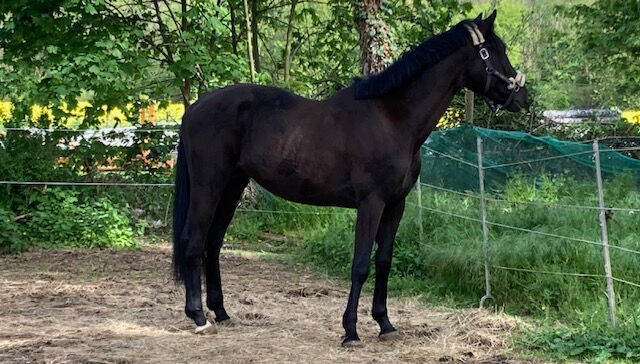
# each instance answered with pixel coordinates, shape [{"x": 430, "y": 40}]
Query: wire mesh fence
[
  {"x": 527, "y": 158},
  {"x": 499, "y": 177}
]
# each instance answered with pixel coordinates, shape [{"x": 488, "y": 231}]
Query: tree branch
[{"x": 173, "y": 17}]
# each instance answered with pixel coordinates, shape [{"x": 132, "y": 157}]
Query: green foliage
[
  {"x": 415, "y": 21},
  {"x": 603, "y": 35},
  {"x": 63, "y": 217},
  {"x": 88, "y": 216},
  {"x": 118, "y": 55},
  {"x": 595, "y": 345},
  {"x": 126, "y": 54},
  {"x": 32, "y": 157},
  {"x": 11, "y": 239},
  {"x": 324, "y": 50}
]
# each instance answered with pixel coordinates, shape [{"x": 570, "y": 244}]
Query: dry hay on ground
[{"x": 115, "y": 306}]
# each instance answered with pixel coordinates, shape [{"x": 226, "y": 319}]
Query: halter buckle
[
  {"x": 517, "y": 82},
  {"x": 484, "y": 53},
  {"x": 520, "y": 79}
]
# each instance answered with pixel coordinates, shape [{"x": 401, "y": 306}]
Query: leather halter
[{"x": 513, "y": 83}]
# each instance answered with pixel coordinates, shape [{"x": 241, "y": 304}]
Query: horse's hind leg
[
  {"x": 202, "y": 205},
  {"x": 224, "y": 213}
]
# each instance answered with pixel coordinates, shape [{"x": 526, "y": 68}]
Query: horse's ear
[
  {"x": 487, "y": 24},
  {"x": 478, "y": 19}
]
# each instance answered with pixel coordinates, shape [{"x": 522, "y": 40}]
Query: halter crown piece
[{"x": 513, "y": 83}]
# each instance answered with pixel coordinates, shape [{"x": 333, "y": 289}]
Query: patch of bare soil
[{"x": 114, "y": 306}]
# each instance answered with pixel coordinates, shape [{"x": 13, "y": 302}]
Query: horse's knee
[
  {"x": 359, "y": 274},
  {"x": 383, "y": 262}
]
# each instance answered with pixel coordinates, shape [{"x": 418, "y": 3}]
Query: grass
[{"x": 446, "y": 264}]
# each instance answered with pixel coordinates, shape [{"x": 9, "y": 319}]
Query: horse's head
[{"x": 491, "y": 73}]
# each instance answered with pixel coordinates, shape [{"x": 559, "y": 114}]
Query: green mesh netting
[{"x": 502, "y": 148}]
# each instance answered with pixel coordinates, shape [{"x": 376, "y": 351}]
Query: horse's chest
[{"x": 395, "y": 176}]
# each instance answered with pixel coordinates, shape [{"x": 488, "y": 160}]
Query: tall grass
[{"x": 447, "y": 262}]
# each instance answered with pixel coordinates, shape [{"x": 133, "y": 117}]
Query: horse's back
[
  {"x": 293, "y": 146},
  {"x": 240, "y": 104}
]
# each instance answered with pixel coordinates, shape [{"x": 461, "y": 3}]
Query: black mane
[{"x": 427, "y": 54}]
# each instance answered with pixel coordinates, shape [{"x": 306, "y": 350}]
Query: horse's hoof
[
  {"x": 207, "y": 328},
  {"x": 390, "y": 336},
  {"x": 352, "y": 344},
  {"x": 226, "y": 323}
]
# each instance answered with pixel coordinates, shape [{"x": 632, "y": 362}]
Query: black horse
[{"x": 358, "y": 149}]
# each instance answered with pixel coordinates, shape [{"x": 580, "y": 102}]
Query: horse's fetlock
[{"x": 379, "y": 314}]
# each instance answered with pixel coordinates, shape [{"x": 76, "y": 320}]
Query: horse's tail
[{"x": 180, "y": 208}]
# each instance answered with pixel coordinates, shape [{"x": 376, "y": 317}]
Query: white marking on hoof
[{"x": 208, "y": 327}]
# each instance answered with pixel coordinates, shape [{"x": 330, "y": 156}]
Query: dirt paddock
[{"x": 109, "y": 306}]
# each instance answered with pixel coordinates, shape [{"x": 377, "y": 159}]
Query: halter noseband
[{"x": 513, "y": 83}]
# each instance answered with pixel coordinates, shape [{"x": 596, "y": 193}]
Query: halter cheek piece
[{"x": 514, "y": 84}]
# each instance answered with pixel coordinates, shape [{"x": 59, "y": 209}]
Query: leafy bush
[
  {"x": 86, "y": 216},
  {"x": 593, "y": 345},
  {"x": 11, "y": 239},
  {"x": 63, "y": 217},
  {"x": 32, "y": 157}
]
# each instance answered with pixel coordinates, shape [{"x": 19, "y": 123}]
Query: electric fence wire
[
  {"x": 450, "y": 157},
  {"x": 568, "y": 238},
  {"x": 570, "y": 274},
  {"x": 543, "y": 204},
  {"x": 590, "y": 275}
]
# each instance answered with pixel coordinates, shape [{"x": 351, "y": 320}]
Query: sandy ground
[{"x": 108, "y": 306}]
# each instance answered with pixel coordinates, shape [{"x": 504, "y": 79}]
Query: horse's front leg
[
  {"x": 386, "y": 235},
  {"x": 369, "y": 213}
]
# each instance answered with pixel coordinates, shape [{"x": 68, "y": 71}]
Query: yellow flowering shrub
[
  {"x": 632, "y": 116},
  {"x": 39, "y": 112},
  {"x": 5, "y": 110},
  {"x": 172, "y": 113},
  {"x": 450, "y": 119}
]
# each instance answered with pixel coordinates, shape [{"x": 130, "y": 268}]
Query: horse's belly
[
  {"x": 302, "y": 191},
  {"x": 300, "y": 164},
  {"x": 314, "y": 185}
]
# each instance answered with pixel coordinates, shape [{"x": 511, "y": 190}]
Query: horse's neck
[{"x": 422, "y": 102}]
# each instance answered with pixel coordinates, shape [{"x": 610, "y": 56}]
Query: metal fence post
[
  {"x": 611, "y": 296},
  {"x": 485, "y": 228},
  {"x": 419, "y": 192}
]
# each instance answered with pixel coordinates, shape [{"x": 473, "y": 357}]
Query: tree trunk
[
  {"x": 255, "y": 18},
  {"x": 289, "y": 39},
  {"x": 252, "y": 65},
  {"x": 185, "y": 90},
  {"x": 375, "y": 44},
  {"x": 183, "y": 7},
  {"x": 234, "y": 32}
]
